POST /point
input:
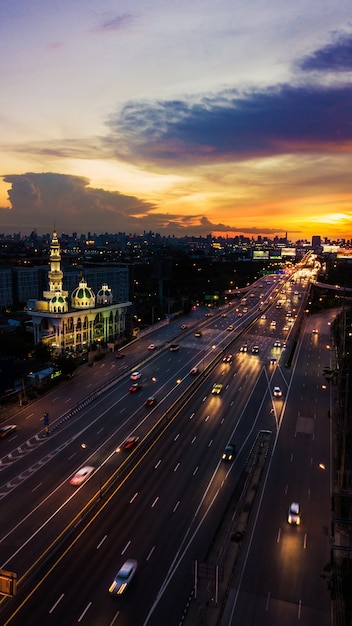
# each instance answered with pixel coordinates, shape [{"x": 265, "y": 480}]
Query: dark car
[
  {"x": 135, "y": 387},
  {"x": 119, "y": 355},
  {"x": 123, "y": 577},
  {"x": 198, "y": 333},
  {"x": 174, "y": 347},
  {"x": 151, "y": 401},
  {"x": 6, "y": 431},
  {"x": 229, "y": 452},
  {"x": 227, "y": 358}
]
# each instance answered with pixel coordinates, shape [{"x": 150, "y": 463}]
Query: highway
[
  {"x": 165, "y": 497},
  {"x": 281, "y": 576}
]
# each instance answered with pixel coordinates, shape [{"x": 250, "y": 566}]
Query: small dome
[
  {"x": 83, "y": 296},
  {"x": 104, "y": 295},
  {"x": 58, "y": 303}
]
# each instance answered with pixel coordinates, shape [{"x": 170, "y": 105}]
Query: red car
[
  {"x": 134, "y": 387},
  {"x": 129, "y": 443}
]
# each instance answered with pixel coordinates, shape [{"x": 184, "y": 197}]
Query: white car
[
  {"x": 151, "y": 346},
  {"x": 135, "y": 375},
  {"x": 79, "y": 477},
  {"x": 277, "y": 393},
  {"x": 294, "y": 514},
  {"x": 123, "y": 577}
]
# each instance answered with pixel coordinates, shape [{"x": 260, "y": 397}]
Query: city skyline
[{"x": 179, "y": 118}]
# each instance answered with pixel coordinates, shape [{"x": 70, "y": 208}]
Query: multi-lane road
[{"x": 160, "y": 502}]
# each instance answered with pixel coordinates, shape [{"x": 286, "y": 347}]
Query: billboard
[
  {"x": 344, "y": 253},
  {"x": 259, "y": 255}
]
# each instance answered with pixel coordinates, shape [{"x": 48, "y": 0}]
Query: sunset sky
[{"x": 176, "y": 116}]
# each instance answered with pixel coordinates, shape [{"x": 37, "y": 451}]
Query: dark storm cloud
[
  {"x": 40, "y": 200},
  {"x": 336, "y": 56},
  {"x": 275, "y": 121},
  {"x": 37, "y": 200}
]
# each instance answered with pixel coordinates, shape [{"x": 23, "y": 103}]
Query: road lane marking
[
  {"x": 176, "y": 506},
  {"x": 195, "y": 471},
  {"x": 101, "y": 542},
  {"x": 278, "y": 536},
  {"x": 134, "y": 497},
  {"x": 305, "y": 541},
  {"x": 84, "y": 612},
  {"x": 157, "y": 465},
  {"x": 126, "y": 547},
  {"x": 150, "y": 553},
  {"x": 193, "y": 440},
  {"x": 56, "y": 603},
  {"x": 176, "y": 467},
  {"x": 155, "y": 501},
  {"x": 267, "y": 602}
]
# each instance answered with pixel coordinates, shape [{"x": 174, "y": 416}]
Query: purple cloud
[
  {"x": 336, "y": 56},
  {"x": 234, "y": 126}
]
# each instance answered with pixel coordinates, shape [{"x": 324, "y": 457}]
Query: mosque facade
[{"x": 73, "y": 322}]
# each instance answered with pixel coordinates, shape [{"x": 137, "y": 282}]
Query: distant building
[
  {"x": 72, "y": 323},
  {"x": 316, "y": 243}
]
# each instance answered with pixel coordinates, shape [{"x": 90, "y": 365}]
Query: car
[
  {"x": 123, "y": 577},
  {"x": 294, "y": 514},
  {"x": 151, "y": 346},
  {"x": 238, "y": 315},
  {"x": 194, "y": 371},
  {"x": 272, "y": 361},
  {"x": 244, "y": 348},
  {"x": 174, "y": 347},
  {"x": 277, "y": 393},
  {"x": 263, "y": 317},
  {"x": 286, "y": 327},
  {"x": 198, "y": 333},
  {"x": 184, "y": 326},
  {"x": 6, "y": 431},
  {"x": 119, "y": 355},
  {"x": 79, "y": 477},
  {"x": 229, "y": 452},
  {"x": 134, "y": 387},
  {"x": 230, "y": 327},
  {"x": 135, "y": 375},
  {"x": 277, "y": 344},
  {"x": 273, "y": 324},
  {"x": 223, "y": 314},
  {"x": 217, "y": 388},
  {"x": 255, "y": 350},
  {"x": 151, "y": 401},
  {"x": 129, "y": 443},
  {"x": 227, "y": 358},
  {"x": 315, "y": 331}
]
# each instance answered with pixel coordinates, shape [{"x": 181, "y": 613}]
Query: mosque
[{"x": 73, "y": 323}]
